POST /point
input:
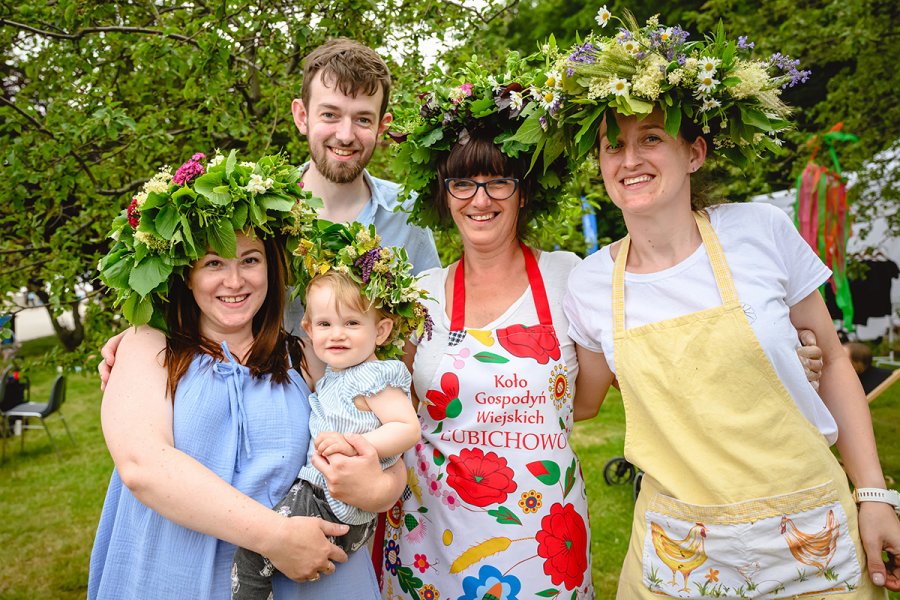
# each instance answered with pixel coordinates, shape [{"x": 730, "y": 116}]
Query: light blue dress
[{"x": 252, "y": 433}]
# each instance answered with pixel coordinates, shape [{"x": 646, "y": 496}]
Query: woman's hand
[
  {"x": 300, "y": 548},
  {"x": 108, "y": 352},
  {"x": 880, "y": 531},
  {"x": 810, "y": 357},
  {"x": 359, "y": 480}
]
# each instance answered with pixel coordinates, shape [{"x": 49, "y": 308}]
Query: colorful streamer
[{"x": 822, "y": 216}]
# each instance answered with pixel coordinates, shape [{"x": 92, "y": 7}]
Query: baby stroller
[{"x": 618, "y": 471}]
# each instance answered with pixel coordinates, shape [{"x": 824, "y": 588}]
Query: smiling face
[
  {"x": 342, "y": 129},
  {"x": 648, "y": 169},
  {"x": 483, "y": 221},
  {"x": 342, "y": 335},
  {"x": 230, "y": 291}
]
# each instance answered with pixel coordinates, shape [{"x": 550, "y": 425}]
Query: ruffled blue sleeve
[{"x": 372, "y": 377}]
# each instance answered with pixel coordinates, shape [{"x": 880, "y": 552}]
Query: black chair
[{"x": 42, "y": 410}]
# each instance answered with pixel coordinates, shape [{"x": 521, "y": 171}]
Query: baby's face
[{"x": 341, "y": 336}]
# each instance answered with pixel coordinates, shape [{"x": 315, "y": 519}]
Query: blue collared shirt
[{"x": 394, "y": 230}]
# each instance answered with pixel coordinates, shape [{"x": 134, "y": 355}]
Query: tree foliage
[{"x": 96, "y": 96}]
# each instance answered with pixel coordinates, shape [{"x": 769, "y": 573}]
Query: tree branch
[
  {"x": 46, "y": 131},
  {"x": 117, "y": 29}
]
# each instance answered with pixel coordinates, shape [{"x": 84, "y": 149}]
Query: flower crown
[
  {"x": 383, "y": 275},
  {"x": 174, "y": 219},
  {"x": 472, "y": 103},
  {"x": 715, "y": 83}
]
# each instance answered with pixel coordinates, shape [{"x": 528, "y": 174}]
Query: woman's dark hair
[
  {"x": 479, "y": 155},
  {"x": 271, "y": 343}
]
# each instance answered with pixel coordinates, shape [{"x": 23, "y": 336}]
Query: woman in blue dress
[{"x": 208, "y": 423}]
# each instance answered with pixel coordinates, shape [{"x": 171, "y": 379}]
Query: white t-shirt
[
  {"x": 555, "y": 268},
  {"x": 773, "y": 269}
]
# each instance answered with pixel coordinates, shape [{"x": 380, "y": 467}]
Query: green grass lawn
[{"x": 49, "y": 506}]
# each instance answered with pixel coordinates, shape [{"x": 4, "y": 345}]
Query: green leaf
[
  {"x": 222, "y": 238},
  {"x": 206, "y": 186},
  {"x": 230, "y": 162},
  {"x": 454, "y": 408},
  {"x": 490, "y": 357},
  {"x": 273, "y": 202},
  {"x": 410, "y": 522},
  {"x": 116, "y": 268},
  {"x": 505, "y": 516},
  {"x": 482, "y": 107},
  {"x": 612, "y": 127},
  {"x": 438, "y": 456},
  {"x": 148, "y": 274},
  {"x": 166, "y": 221},
  {"x": 570, "y": 478},
  {"x": 673, "y": 120},
  {"x": 137, "y": 310},
  {"x": 546, "y": 471},
  {"x": 239, "y": 216},
  {"x": 408, "y": 583},
  {"x": 548, "y": 593},
  {"x": 439, "y": 427},
  {"x": 530, "y": 132},
  {"x": 756, "y": 119},
  {"x": 436, "y": 135}
]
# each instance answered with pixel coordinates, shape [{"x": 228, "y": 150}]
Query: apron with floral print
[
  {"x": 495, "y": 507},
  {"x": 741, "y": 496}
]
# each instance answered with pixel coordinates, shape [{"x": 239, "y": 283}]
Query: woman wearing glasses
[{"x": 496, "y": 502}]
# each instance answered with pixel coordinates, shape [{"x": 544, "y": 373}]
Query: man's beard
[{"x": 344, "y": 172}]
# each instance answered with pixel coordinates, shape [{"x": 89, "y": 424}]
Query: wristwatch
[{"x": 891, "y": 497}]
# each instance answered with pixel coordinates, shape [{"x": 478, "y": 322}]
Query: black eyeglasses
[{"x": 496, "y": 189}]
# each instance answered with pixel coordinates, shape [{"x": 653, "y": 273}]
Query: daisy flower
[
  {"x": 631, "y": 47},
  {"x": 709, "y": 104},
  {"x": 549, "y": 99},
  {"x": 516, "y": 100},
  {"x": 707, "y": 84},
  {"x": 708, "y": 66},
  {"x": 603, "y": 16},
  {"x": 619, "y": 86}
]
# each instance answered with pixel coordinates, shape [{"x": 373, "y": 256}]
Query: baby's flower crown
[
  {"x": 471, "y": 103},
  {"x": 175, "y": 219},
  {"x": 383, "y": 274},
  {"x": 715, "y": 83}
]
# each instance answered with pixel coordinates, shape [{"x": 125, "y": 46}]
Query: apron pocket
[{"x": 781, "y": 546}]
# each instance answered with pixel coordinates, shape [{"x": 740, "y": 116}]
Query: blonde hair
[{"x": 347, "y": 293}]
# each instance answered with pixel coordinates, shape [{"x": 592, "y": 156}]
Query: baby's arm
[{"x": 399, "y": 429}]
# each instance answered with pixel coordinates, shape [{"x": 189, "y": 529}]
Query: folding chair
[
  {"x": 42, "y": 410},
  {"x": 884, "y": 385}
]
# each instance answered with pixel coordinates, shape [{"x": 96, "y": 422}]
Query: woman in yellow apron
[{"x": 696, "y": 312}]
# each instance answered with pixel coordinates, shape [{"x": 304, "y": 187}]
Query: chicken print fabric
[{"x": 777, "y": 556}]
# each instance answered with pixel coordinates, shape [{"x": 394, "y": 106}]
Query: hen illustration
[
  {"x": 682, "y": 556},
  {"x": 813, "y": 549}
]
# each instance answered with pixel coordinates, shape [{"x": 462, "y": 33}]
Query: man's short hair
[
  {"x": 860, "y": 353},
  {"x": 349, "y": 66}
]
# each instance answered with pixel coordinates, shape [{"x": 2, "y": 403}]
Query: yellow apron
[{"x": 741, "y": 496}]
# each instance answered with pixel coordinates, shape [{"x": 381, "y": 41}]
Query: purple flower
[
  {"x": 543, "y": 122},
  {"x": 624, "y": 35},
  {"x": 429, "y": 325},
  {"x": 583, "y": 54},
  {"x": 742, "y": 43},
  {"x": 189, "y": 170},
  {"x": 366, "y": 263},
  {"x": 789, "y": 67}
]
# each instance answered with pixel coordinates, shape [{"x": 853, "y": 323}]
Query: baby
[{"x": 359, "y": 393}]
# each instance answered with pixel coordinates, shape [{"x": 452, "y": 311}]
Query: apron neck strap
[
  {"x": 717, "y": 261},
  {"x": 538, "y": 292}
]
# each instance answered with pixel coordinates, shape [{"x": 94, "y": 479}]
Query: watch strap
[{"x": 891, "y": 497}]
